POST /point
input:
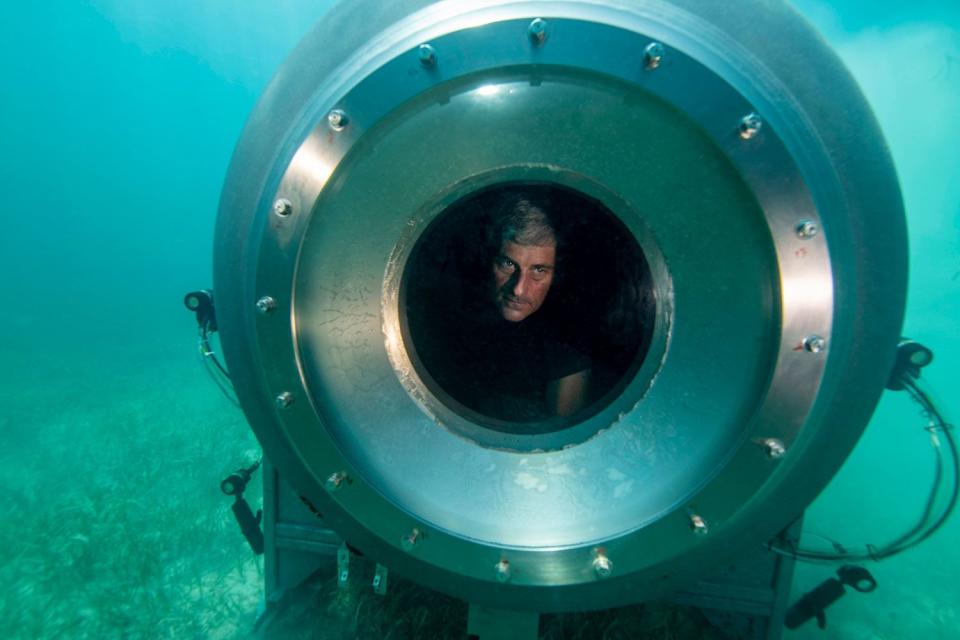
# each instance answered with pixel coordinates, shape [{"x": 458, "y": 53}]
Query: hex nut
[
  {"x": 337, "y": 119},
  {"x": 806, "y": 229},
  {"x": 750, "y": 126},
  {"x": 602, "y": 565},
  {"x": 336, "y": 481},
  {"x": 774, "y": 448},
  {"x": 266, "y": 304},
  {"x": 284, "y": 400},
  {"x": 814, "y": 344},
  {"x": 427, "y": 55},
  {"x": 653, "y": 55},
  {"x": 282, "y": 207},
  {"x": 538, "y": 31},
  {"x": 698, "y": 525},
  {"x": 410, "y": 540},
  {"x": 502, "y": 570}
]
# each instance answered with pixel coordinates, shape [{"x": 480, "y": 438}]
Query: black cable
[
  {"x": 206, "y": 356},
  {"x": 208, "y": 352},
  {"x": 923, "y": 529},
  {"x": 943, "y": 427}
]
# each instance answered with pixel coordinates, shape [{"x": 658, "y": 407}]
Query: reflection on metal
[
  {"x": 266, "y": 304},
  {"x": 602, "y": 565},
  {"x": 653, "y": 55},
  {"x": 337, "y": 120},
  {"x": 427, "y": 55},
  {"x": 336, "y": 481},
  {"x": 773, "y": 447},
  {"x": 807, "y": 229},
  {"x": 698, "y": 525},
  {"x": 571, "y": 102},
  {"x": 409, "y": 541},
  {"x": 282, "y": 207},
  {"x": 750, "y": 126},
  {"x": 538, "y": 31},
  {"x": 284, "y": 399},
  {"x": 502, "y": 570},
  {"x": 814, "y": 344}
]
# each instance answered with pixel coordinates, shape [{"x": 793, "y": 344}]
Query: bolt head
[
  {"x": 698, "y": 525},
  {"x": 653, "y": 55},
  {"x": 336, "y": 481},
  {"x": 502, "y": 571},
  {"x": 807, "y": 229},
  {"x": 774, "y": 448},
  {"x": 814, "y": 344},
  {"x": 538, "y": 31},
  {"x": 427, "y": 55},
  {"x": 284, "y": 400},
  {"x": 602, "y": 566},
  {"x": 282, "y": 207},
  {"x": 266, "y": 304},
  {"x": 750, "y": 126},
  {"x": 410, "y": 540},
  {"x": 337, "y": 119}
]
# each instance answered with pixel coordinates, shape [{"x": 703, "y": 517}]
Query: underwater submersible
[{"x": 758, "y": 258}]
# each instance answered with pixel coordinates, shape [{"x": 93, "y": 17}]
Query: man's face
[{"x": 522, "y": 277}]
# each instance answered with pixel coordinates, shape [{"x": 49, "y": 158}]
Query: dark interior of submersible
[{"x": 600, "y": 307}]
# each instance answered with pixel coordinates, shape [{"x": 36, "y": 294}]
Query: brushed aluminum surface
[{"x": 716, "y": 213}]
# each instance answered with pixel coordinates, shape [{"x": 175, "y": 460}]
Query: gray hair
[{"x": 525, "y": 223}]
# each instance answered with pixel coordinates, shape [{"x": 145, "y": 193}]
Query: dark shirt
[{"x": 498, "y": 368}]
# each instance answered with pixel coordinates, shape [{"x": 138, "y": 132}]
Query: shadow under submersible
[{"x": 736, "y": 269}]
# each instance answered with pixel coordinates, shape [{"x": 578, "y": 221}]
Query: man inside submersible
[{"x": 505, "y": 352}]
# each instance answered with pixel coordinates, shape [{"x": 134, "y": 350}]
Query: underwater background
[{"x": 117, "y": 122}]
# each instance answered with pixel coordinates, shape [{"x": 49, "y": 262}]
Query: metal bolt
[
  {"x": 282, "y": 207},
  {"x": 814, "y": 344},
  {"x": 337, "y": 119},
  {"x": 502, "y": 570},
  {"x": 284, "y": 400},
  {"x": 806, "y": 229},
  {"x": 427, "y": 55},
  {"x": 602, "y": 566},
  {"x": 266, "y": 304},
  {"x": 750, "y": 126},
  {"x": 653, "y": 55},
  {"x": 698, "y": 525},
  {"x": 411, "y": 540},
  {"x": 538, "y": 31},
  {"x": 336, "y": 481},
  {"x": 773, "y": 447}
]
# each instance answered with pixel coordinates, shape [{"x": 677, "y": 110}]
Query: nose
[{"x": 520, "y": 284}]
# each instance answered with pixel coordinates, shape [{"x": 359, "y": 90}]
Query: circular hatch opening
[{"x": 529, "y": 306}]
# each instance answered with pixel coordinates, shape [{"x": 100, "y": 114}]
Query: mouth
[{"x": 513, "y": 303}]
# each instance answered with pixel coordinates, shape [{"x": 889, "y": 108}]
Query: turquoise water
[{"x": 118, "y": 120}]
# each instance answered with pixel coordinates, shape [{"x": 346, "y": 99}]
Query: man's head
[{"x": 524, "y": 260}]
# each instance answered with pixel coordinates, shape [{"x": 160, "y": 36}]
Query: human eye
[
  {"x": 540, "y": 272},
  {"x": 505, "y": 264}
]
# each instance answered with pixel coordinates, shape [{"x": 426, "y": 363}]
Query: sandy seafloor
[{"x": 118, "y": 120}]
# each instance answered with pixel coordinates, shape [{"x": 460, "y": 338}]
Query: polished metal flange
[{"x": 772, "y": 335}]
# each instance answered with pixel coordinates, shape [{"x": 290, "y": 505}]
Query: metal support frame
[{"x": 750, "y": 597}]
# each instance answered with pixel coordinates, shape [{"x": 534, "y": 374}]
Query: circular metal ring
[{"x": 709, "y": 169}]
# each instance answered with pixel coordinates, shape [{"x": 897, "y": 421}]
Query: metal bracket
[
  {"x": 380, "y": 580},
  {"x": 343, "y": 566}
]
